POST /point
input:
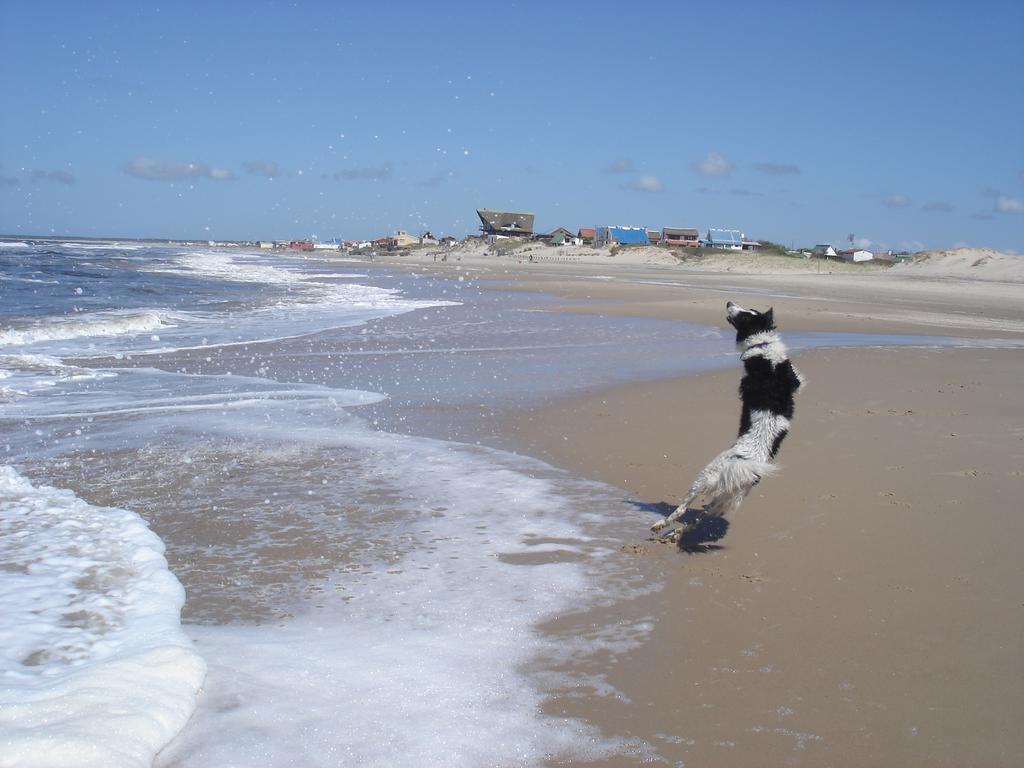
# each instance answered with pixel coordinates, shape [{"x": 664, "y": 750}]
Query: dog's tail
[{"x": 740, "y": 474}]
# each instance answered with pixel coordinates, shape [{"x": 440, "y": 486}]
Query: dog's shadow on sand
[{"x": 703, "y": 531}]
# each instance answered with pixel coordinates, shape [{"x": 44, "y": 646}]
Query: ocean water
[
  {"x": 244, "y": 519},
  {"x": 255, "y": 510}
]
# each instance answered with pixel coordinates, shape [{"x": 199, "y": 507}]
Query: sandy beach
[
  {"x": 418, "y": 493},
  {"x": 866, "y": 606}
]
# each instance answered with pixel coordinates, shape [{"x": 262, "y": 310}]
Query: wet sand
[{"x": 866, "y": 606}]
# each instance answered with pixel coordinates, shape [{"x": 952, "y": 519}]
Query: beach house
[
  {"x": 856, "y": 254},
  {"x": 823, "y": 251},
  {"x": 620, "y": 236},
  {"x": 727, "y": 239},
  {"x": 683, "y": 236},
  {"x": 497, "y": 224},
  {"x": 562, "y": 236},
  {"x": 401, "y": 239},
  {"x": 586, "y": 235}
]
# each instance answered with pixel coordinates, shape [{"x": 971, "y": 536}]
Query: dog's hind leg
[
  {"x": 726, "y": 504},
  {"x": 704, "y": 482}
]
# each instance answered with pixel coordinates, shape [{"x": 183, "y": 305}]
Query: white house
[
  {"x": 727, "y": 239},
  {"x": 856, "y": 254}
]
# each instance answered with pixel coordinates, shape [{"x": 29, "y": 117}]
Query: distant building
[
  {"x": 620, "y": 236},
  {"x": 427, "y": 239},
  {"x": 301, "y": 245},
  {"x": 448, "y": 241},
  {"x": 751, "y": 245},
  {"x": 505, "y": 223},
  {"x": 401, "y": 239},
  {"x": 654, "y": 236},
  {"x": 586, "y": 235},
  {"x": 684, "y": 236},
  {"x": 856, "y": 255},
  {"x": 823, "y": 251},
  {"x": 265, "y": 245},
  {"x": 727, "y": 239},
  {"x": 562, "y": 236}
]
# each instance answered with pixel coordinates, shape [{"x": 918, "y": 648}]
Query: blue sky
[{"x": 899, "y": 122}]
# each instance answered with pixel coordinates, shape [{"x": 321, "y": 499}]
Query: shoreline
[{"x": 863, "y": 607}]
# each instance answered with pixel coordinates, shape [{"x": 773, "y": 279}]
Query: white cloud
[
  {"x": 714, "y": 164},
  {"x": 172, "y": 170},
  {"x": 646, "y": 184},
  {"x": 896, "y": 201},
  {"x": 60, "y": 177},
  {"x": 1007, "y": 204},
  {"x": 937, "y": 206}
]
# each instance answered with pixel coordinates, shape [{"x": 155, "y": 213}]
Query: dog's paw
[
  {"x": 672, "y": 537},
  {"x": 659, "y": 526}
]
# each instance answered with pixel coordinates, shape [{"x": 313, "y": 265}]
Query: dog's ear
[{"x": 770, "y": 315}]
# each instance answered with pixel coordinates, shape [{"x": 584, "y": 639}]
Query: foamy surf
[
  {"x": 95, "y": 668},
  {"x": 123, "y": 323},
  {"x": 414, "y": 638}
]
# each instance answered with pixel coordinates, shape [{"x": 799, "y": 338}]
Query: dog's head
[{"x": 748, "y": 322}]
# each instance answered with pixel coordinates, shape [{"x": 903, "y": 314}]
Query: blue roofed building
[
  {"x": 620, "y": 236},
  {"x": 728, "y": 239}
]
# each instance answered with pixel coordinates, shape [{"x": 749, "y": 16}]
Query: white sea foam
[
  {"x": 26, "y": 374},
  {"x": 86, "y": 325},
  {"x": 94, "y": 667},
  {"x": 421, "y": 653},
  {"x": 225, "y": 266},
  {"x": 111, "y": 246}
]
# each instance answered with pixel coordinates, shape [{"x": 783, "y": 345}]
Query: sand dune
[
  {"x": 965, "y": 263},
  {"x": 960, "y": 263}
]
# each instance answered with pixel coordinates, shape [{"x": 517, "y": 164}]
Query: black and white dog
[{"x": 768, "y": 388}]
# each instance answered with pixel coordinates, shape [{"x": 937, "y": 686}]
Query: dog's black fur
[
  {"x": 767, "y": 391},
  {"x": 766, "y": 386}
]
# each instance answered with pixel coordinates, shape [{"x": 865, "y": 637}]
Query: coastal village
[{"x": 518, "y": 227}]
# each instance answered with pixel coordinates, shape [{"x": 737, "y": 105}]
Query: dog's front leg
[{"x": 664, "y": 523}]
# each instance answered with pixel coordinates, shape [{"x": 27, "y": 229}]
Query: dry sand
[{"x": 866, "y": 606}]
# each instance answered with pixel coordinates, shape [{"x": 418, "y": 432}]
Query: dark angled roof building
[{"x": 505, "y": 223}]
